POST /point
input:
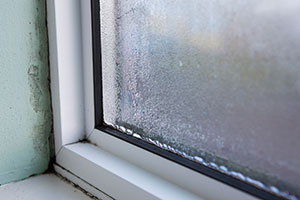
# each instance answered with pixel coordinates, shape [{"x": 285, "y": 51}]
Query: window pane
[{"x": 214, "y": 80}]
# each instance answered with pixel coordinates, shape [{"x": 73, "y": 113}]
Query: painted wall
[{"x": 25, "y": 112}]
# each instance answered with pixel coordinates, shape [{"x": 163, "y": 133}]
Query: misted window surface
[{"x": 215, "y": 81}]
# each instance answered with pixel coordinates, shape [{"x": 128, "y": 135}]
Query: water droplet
[
  {"x": 274, "y": 189},
  {"x": 213, "y": 165},
  {"x": 137, "y": 136},
  {"x": 198, "y": 159},
  {"x": 123, "y": 129},
  {"x": 223, "y": 168},
  {"x": 129, "y": 132},
  {"x": 180, "y": 63}
]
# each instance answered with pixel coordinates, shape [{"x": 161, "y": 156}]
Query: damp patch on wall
[{"x": 25, "y": 112}]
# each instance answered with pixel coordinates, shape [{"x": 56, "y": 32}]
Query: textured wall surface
[{"x": 25, "y": 112}]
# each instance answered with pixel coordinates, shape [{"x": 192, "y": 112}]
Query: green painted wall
[{"x": 25, "y": 112}]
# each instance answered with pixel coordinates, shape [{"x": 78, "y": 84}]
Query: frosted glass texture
[{"x": 215, "y": 79}]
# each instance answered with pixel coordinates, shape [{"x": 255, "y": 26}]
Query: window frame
[{"x": 85, "y": 153}]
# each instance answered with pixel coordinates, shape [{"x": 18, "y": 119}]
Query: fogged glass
[{"x": 217, "y": 81}]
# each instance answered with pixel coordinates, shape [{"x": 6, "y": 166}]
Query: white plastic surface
[
  {"x": 66, "y": 72},
  {"x": 42, "y": 187}
]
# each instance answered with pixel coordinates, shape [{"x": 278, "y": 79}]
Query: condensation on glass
[{"x": 218, "y": 80}]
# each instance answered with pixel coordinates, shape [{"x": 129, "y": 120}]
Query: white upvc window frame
[{"x": 109, "y": 168}]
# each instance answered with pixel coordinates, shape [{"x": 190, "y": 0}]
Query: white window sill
[
  {"x": 115, "y": 176},
  {"x": 42, "y": 187}
]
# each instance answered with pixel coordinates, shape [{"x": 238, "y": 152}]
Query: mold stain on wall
[
  {"x": 25, "y": 114},
  {"x": 38, "y": 81}
]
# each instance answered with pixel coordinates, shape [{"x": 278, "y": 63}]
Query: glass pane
[{"x": 216, "y": 81}]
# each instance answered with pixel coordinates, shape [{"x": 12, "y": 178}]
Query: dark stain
[
  {"x": 78, "y": 187},
  {"x": 40, "y": 137},
  {"x": 35, "y": 89},
  {"x": 39, "y": 82}
]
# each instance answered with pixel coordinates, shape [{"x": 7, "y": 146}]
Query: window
[{"x": 94, "y": 151}]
